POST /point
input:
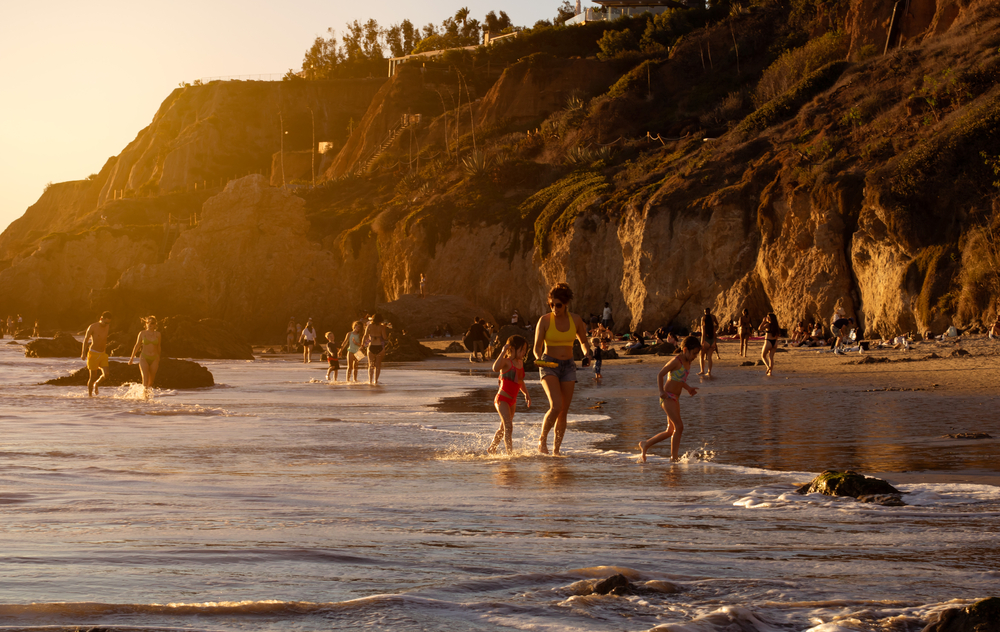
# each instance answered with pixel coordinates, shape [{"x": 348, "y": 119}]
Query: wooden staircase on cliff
[{"x": 404, "y": 122}]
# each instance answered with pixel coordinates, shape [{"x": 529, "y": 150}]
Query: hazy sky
[{"x": 80, "y": 79}]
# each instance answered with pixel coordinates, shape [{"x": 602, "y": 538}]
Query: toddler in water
[
  {"x": 676, "y": 371},
  {"x": 331, "y": 355},
  {"x": 510, "y": 365}
]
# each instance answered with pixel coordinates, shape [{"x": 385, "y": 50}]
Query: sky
[{"x": 81, "y": 79}]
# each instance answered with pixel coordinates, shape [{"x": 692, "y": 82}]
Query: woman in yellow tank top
[{"x": 554, "y": 336}]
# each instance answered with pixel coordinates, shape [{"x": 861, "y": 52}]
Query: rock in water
[
  {"x": 850, "y": 483},
  {"x": 171, "y": 374},
  {"x": 982, "y": 616},
  {"x": 62, "y": 345},
  {"x": 185, "y": 337},
  {"x": 614, "y": 585}
]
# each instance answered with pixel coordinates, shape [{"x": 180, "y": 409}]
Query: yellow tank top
[{"x": 556, "y": 338}]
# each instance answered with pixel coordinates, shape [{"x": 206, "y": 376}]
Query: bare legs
[
  {"x": 307, "y": 352},
  {"x": 744, "y": 343},
  {"x": 767, "y": 355},
  {"x": 506, "y": 430},
  {"x": 374, "y": 368},
  {"x": 560, "y": 396},
  {"x": 705, "y": 357},
  {"x": 675, "y": 428},
  {"x": 93, "y": 382},
  {"x": 352, "y": 367},
  {"x": 148, "y": 370}
]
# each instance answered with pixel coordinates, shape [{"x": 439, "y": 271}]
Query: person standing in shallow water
[
  {"x": 147, "y": 345},
  {"x": 709, "y": 326},
  {"x": 510, "y": 365},
  {"x": 676, "y": 373},
  {"x": 744, "y": 328},
  {"x": 352, "y": 342},
  {"x": 771, "y": 332},
  {"x": 308, "y": 339},
  {"x": 96, "y": 356},
  {"x": 554, "y": 336},
  {"x": 377, "y": 335}
]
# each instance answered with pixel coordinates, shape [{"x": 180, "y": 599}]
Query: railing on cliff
[{"x": 404, "y": 122}]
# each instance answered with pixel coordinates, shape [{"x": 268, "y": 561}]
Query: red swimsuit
[{"x": 510, "y": 384}]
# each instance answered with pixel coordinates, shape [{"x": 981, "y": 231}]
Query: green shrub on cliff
[
  {"x": 795, "y": 64},
  {"x": 787, "y": 104},
  {"x": 555, "y": 207}
]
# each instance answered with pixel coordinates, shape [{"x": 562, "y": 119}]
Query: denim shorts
[{"x": 566, "y": 371}]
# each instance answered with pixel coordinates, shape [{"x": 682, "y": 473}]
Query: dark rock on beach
[
  {"x": 969, "y": 435},
  {"x": 175, "y": 374},
  {"x": 63, "y": 345},
  {"x": 850, "y": 483},
  {"x": 185, "y": 337},
  {"x": 614, "y": 585},
  {"x": 404, "y": 348},
  {"x": 982, "y": 616},
  {"x": 456, "y": 347}
]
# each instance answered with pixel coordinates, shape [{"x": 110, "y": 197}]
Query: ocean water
[{"x": 275, "y": 501}]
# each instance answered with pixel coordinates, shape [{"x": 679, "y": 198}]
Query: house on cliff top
[{"x": 614, "y": 9}]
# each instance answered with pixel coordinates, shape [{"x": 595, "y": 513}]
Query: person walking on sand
[
  {"x": 308, "y": 339},
  {"x": 352, "y": 343},
  {"x": 477, "y": 340},
  {"x": 147, "y": 345},
  {"x": 423, "y": 286},
  {"x": 771, "y": 331},
  {"x": 96, "y": 356},
  {"x": 709, "y": 326},
  {"x": 744, "y": 328},
  {"x": 377, "y": 335},
  {"x": 676, "y": 374},
  {"x": 36, "y": 332},
  {"x": 510, "y": 366},
  {"x": 331, "y": 356},
  {"x": 554, "y": 336}
]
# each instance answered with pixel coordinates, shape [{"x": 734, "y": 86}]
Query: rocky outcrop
[
  {"x": 65, "y": 278},
  {"x": 185, "y": 337},
  {"x": 172, "y": 373},
  {"x": 404, "y": 348},
  {"x": 850, "y": 483},
  {"x": 982, "y": 616},
  {"x": 250, "y": 262},
  {"x": 62, "y": 345},
  {"x": 61, "y": 205}
]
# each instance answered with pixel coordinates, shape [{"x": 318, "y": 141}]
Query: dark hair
[
  {"x": 560, "y": 292},
  {"x": 106, "y": 315},
  {"x": 377, "y": 319},
  {"x": 516, "y": 342},
  {"x": 746, "y": 310},
  {"x": 708, "y": 310},
  {"x": 690, "y": 343}
]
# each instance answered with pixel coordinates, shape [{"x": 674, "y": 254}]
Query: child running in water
[
  {"x": 331, "y": 355},
  {"x": 597, "y": 357},
  {"x": 510, "y": 365},
  {"x": 676, "y": 371}
]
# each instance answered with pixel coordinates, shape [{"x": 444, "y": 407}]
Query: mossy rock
[
  {"x": 850, "y": 483},
  {"x": 982, "y": 616}
]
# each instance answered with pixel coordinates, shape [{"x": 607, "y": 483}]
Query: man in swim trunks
[{"x": 96, "y": 356}]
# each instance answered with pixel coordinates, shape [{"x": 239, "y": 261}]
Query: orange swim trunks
[{"x": 96, "y": 360}]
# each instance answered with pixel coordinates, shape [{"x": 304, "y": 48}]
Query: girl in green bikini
[
  {"x": 676, "y": 372},
  {"x": 147, "y": 345}
]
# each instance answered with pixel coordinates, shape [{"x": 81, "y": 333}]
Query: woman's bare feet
[{"x": 642, "y": 446}]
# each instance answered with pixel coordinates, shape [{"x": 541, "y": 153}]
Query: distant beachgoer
[
  {"x": 290, "y": 336},
  {"x": 676, "y": 373},
  {"x": 10, "y": 325},
  {"x": 36, "y": 333},
  {"x": 771, "y": 331},
  {"x": 554, "y": 336},
  {"x": 377, "y": 336},
  {"x": 331, "y": 356},
  {"x": 841, "y": 328},
  {"x": 994, "y": 332},
  {"x": 744, "y": 328},
  {"x": 709, "y": 325},
  {"x": 514, "y": 318},
  {"x": 598, "y": 356},
  {"x": 352, "y": 343},
  {"x": 606, "y": 318},
  {"x": 147, "y": 345},
  {"x": 510, "y": 365},
  {"x": 477, "y": 340},
  {"x": 308, "y": 339},
  {"x": 96, "y": 355},
  {"x": 423, "y": 284}
]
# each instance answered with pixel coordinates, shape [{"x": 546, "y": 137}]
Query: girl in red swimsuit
[{"x": 510, "y": 365}]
